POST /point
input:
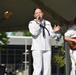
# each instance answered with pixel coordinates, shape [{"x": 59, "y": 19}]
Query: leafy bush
[{"x": 59, "y": 57}]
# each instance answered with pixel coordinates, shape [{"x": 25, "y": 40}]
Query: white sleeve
[
  {"x": 68, "y": 33},
  {"x": 34, "y": 28}
]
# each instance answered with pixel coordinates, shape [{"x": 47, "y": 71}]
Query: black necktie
[{"x": 43, "y": 29}]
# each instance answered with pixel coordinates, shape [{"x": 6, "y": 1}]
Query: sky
[{"x": 9, "y": 33}]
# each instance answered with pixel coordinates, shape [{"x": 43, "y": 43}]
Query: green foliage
[
  {"x": 13, "y": 33},
  {"x": 59, "y": 57},
  {"x": 26, "y": 33},
  {"x": 3, "y": 39}
]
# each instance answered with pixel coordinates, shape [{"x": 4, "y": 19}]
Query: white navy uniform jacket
[{"x": 38, "y": 41}]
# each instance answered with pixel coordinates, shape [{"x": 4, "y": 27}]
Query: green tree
[{"x": 3, "y": 39}]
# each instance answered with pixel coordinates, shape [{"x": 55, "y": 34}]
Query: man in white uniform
[
  {"x": 71, "y": 33},
  {"x": 41, "y": 31}
]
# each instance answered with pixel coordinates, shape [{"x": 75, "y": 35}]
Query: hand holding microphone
[{"x": 38, "y": 18}]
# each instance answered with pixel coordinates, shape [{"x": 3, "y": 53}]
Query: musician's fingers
[
  {"x": 54, "y": 25},
  {"x": 58, "y": 25}
]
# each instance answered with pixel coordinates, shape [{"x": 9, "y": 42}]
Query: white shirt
[
  {"x": 38, "y": 41},
  {"x": 71, "y": 32}
]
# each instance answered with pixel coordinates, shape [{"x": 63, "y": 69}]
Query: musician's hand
[
  {"x": 38, "y": 18},
  {"x": 56, "y": 28},
  {"x": 74, "y": 40},
  {"x": 72, "y": 43}
]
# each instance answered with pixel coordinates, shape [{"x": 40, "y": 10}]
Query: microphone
[{"x": 39, "y": 18}]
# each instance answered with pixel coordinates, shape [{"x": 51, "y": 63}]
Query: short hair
[
  {"x": 75, "y": 20},
  {"x": 37, "y": 8}
]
